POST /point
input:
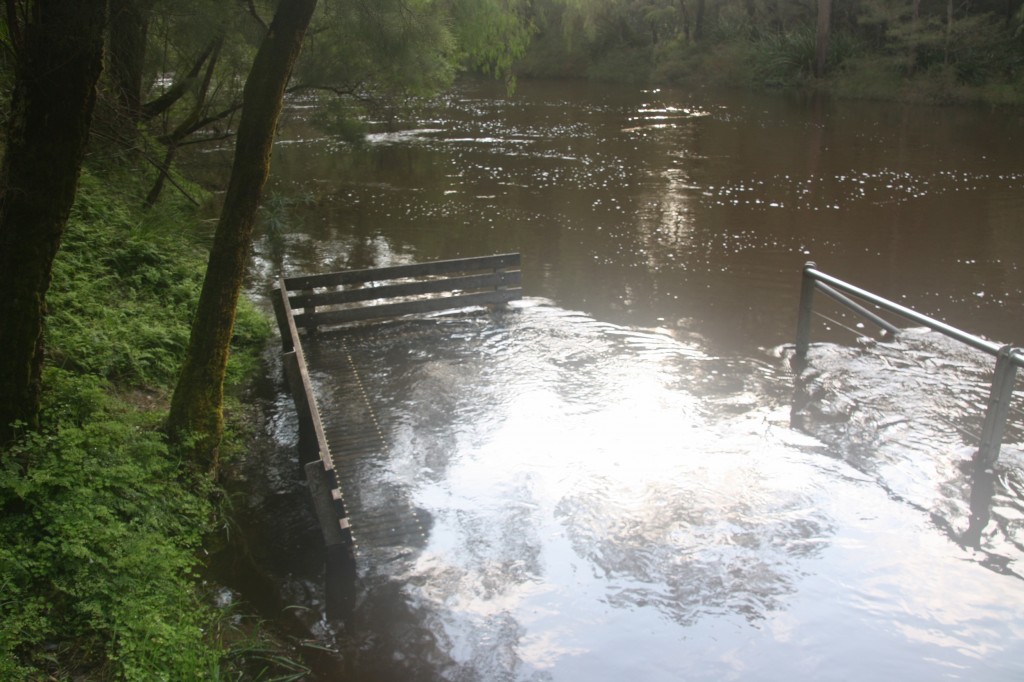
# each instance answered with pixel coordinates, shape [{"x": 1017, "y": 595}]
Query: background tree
[
  {"x": 821, "y": 37},
  {"x": 389, "y": 47},
  {"x": 58, "y": 49},
  {"x": 924, "y": 49},
  {"x": 126, "y": 53},
  {"x": 197, "y": 404},
  {"x": 698, "y": 24}
]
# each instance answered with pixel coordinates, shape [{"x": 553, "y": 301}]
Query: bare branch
[
  {"x": 250, "y": 6},
  {"x": 165, "y": 101},
  {"x": 177, "y": 136}
]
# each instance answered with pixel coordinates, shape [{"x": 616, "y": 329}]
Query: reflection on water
[
  {"x": 639, "y": 206},
  {"x": 607, "y": 473},
  {"x": 606, "y": 500},
  {"x": 909, "y": 414}
]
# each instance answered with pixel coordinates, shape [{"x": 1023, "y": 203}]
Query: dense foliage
[
  {"x": 935, "y": 50},
  {"x": 101, "y": 527}
]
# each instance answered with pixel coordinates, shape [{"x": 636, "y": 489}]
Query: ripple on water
[
  {"x": 880, "y": 187},
  {"x": 598, "y": 506},
  {"x": 909, "y": 413}
]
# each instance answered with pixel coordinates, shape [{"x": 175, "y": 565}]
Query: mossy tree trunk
[
  {"x": 58, "y": 59},
  {"x": 196, "y": 415}
]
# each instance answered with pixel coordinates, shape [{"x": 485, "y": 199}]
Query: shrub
[
  {"x": 97, "y": 552},
  {"x": 100, "y": 526}
]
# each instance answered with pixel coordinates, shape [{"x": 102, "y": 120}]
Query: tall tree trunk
[
  {"x": 949, "y": 30},
  {"x": 196, "y": 415},
  {"x": 129, "y": 27},
  {"x": 58, "y": 62},
  {"x": 821, "y": 39}
]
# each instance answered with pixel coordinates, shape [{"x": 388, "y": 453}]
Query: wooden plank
[
  {"x": 332, "y": 317},
  {"x": 441, "y": 267},
  {"x": 330, "y": 524},
  {"x": 490, "y": 280},
  {"x": 306, "y": 384},
  {"x": 276, "y": 300}
]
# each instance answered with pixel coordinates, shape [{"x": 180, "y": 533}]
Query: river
[{"x": 608, "y": 470}]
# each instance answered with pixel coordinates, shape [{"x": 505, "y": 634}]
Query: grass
[{"x": 101, "y": 527}]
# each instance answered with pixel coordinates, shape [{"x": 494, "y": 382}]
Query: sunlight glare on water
[
  {"x": 596, "y": 513},
  {"x": 609, "y": 480}
]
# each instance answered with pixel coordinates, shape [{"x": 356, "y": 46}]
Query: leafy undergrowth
[
  {"x": 101, "y": 527},
  {"x": 98, "y": 549}
]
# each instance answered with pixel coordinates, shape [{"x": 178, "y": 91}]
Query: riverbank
[
  {"x": 104, "y": 536},
  {"x": 871, "y": 52},
  {"x": 784, "y": 64},
  {"x": 776, "y": 69}
]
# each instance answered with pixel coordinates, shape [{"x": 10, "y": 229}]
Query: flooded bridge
[
  {"x": 341, "y": 432},
  {"x": 485, "y": 468}
]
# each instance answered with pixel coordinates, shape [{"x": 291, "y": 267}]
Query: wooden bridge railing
[
  {"x": 354, "y": 295},
  {"x": 337, "y": 531},
  {"x": 304, "y": 304}
]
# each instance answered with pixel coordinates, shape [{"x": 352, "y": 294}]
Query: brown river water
[{"x": 611, "y": 481}]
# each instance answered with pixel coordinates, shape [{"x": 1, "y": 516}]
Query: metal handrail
[{"x": 1008, "y": 358}]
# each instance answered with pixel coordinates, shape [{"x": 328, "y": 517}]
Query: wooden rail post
[
  {"x": 498, "y": 273},
  {"x": 340, "y": 574},
  {"x": 310, "y": 311},
  {"x": 277, "y": 297}
]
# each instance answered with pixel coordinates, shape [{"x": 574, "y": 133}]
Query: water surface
[{"x": 611, "y": 477}]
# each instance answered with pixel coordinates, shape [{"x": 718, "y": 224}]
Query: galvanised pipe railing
[{"x": 1008, "y": 358}]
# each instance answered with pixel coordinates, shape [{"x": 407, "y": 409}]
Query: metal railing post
[
  {"x": 1008, "y": 358},
  {"x": 803, "y": 324},
  {"x": 1000, "y": 395}
]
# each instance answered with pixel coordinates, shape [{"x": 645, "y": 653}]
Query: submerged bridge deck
[
  {"x": 328, "y": 322},
  {"x": 340, "y": 433}
]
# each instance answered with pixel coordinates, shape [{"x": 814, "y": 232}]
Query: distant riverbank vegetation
[{"x": 942, "y": 51}]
